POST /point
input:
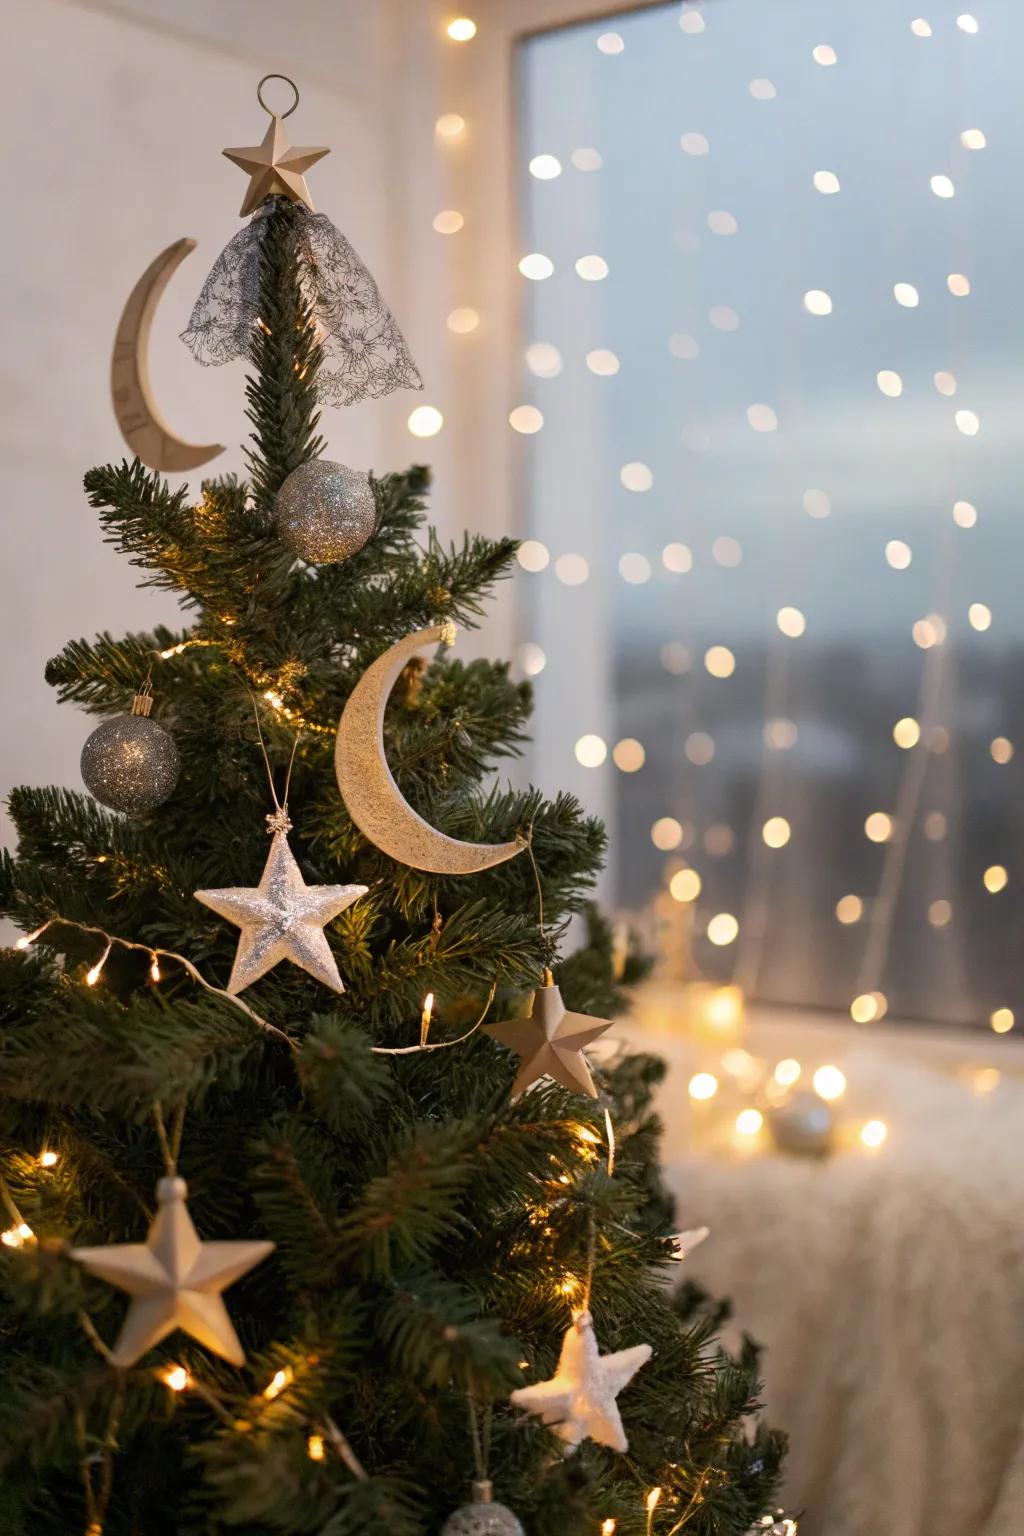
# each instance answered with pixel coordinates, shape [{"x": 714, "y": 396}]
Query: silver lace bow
[{"x": 365, "y": 354}]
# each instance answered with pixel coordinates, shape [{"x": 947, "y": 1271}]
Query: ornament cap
[
  {"x": 142, "y": 704},
  {"x": 170, "y": 1189},
  {"x": 483, "y": 1491}
]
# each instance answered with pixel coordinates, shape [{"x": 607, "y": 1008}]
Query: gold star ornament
[
  {"x": 175, "y": 1281},
  {"x": 276, "y": 167},
  {"x": 550, "y": 1041}
]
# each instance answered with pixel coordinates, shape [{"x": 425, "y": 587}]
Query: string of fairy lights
[
  {"x": 241, "y": 1410},
  {"x": 918, "y": 736}
]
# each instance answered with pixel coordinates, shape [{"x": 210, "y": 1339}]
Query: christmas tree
[{"x": 405, "y": 1238}]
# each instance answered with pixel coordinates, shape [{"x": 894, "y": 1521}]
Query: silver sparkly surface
[
  {"x": 478, "y": 1519},
  {"x": 130, "y": 764},
  {"x": 368, "y": 788},
  {"x": 802, "y": 1123},
  {"x": 282, "y": 918},
  {"x": 325, "y": 511}
]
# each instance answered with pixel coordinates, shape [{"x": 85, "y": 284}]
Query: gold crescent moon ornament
[
  {"x": 142, "y": 426},
  {"x": 374, "y": 800}
]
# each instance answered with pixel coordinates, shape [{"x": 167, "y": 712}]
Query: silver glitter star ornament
[
  {"x": 550, "y": 1040},
  {"x": 282, "y": 918},
  {"x": 579, "y": 1402},
  {"x": 175, "y": 1281}
]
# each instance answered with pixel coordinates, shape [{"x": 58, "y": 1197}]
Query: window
[{"x": 772, "y": 342}]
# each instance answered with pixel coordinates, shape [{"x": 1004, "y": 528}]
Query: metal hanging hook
[{"x": 288, "y": 81}]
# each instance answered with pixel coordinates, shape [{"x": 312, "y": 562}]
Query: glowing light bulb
[
  {"x": 608, "y": 1527},
  {"x": 277, "y": 1383},
  {"x": 17, "y": 1237},
  {"x": 425, "y": 1016},
  {"x": 776, "y": 832},
  {"x": 462, "y": 29},
  {"x": 154, "y": 968},
  {"x": 723, "y": 929},
  {"x": 749, "y": 1122},
  {"x": 462, "y": 321},
  {"x": 878, "y": 827},
  {"x": 829, "y": 1083},
  {"x": 49, "y": 1159},
  {"x": 536, "y": 266},
  {"x": 526, "y": 419},
  {"x": 591, "y": 751},
  {"x": 545, "y": 167},
  {"x": 425, "y": 421},
  {"x": 685, "y": 885},
  {"x": 315, "y": 1449},
  {"x": 791, "y": 622},
  {"x": 906, "y": 733},
  {"x": 703, "y": 1085},
  {"x": 176, "y": 1377},
  {"x": 653, "y": 1500},
  {"x": 93, "y": 975},
  {"x": 873, "y": 1133},
  {"x": 450, "y": 125}
]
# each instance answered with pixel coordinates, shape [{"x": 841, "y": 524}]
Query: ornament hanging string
[
  {"x": 281, "y": 809},
  {"x": 170, "y": 1146}
]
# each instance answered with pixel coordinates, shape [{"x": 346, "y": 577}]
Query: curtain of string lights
[{"x": 770, "y": 268}]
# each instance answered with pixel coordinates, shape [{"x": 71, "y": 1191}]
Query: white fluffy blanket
[{"x": 889, "y": 1291}]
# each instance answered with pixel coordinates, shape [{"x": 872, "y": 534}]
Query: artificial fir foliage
[{"x": 433, "y": 1238}]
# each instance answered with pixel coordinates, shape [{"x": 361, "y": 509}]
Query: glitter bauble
[
  {"x": 130, "y": 764},
  {"x": 802, "y": 1123},
  {"x": 482, "y": 1517},
  {"x": 325, "y": 512}
]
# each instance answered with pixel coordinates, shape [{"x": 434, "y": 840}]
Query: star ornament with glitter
[
  {"x": 550, "y": 1041},
  {"x": 282, "y": 918},
  {"x": 579, "y": 1402},
  {"x": 276, "y": 167},
  {"x": 175, "y": 1281}
]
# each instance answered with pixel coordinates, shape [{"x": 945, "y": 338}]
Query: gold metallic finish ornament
[
  {"x": 131, "y": 764},
  {"x": 325, "y": 512},
  {"x": 550, "y": 1041},
  {"x": 368, "y": 788},
  {"x": 579, "y": 1402},
  {"x": 282, "y": 918},
  {"x": 175, "y": 1281},
  {"x": 276, "y": 167}
]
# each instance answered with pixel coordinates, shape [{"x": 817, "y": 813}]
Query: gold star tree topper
[
  {"x": 550, "y": 1040},
  {"x": 282, "y": 918},
  {"x": 175, "y": 1281},
  {"x": 580, "y": 1399},
  {"x": 276, "y": 167}
]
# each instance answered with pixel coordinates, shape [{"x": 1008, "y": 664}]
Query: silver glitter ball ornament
[
  {"x": 483, "y": 1517},
  {"x": 802, "y": 1123},
  {"x": 325, "y": 511},
  {"x": 131, "y": 764}
]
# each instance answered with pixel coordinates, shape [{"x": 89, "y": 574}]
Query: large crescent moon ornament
[
  {"x": 142, "y": 426},
  {"x": 368, "y": 788}
]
